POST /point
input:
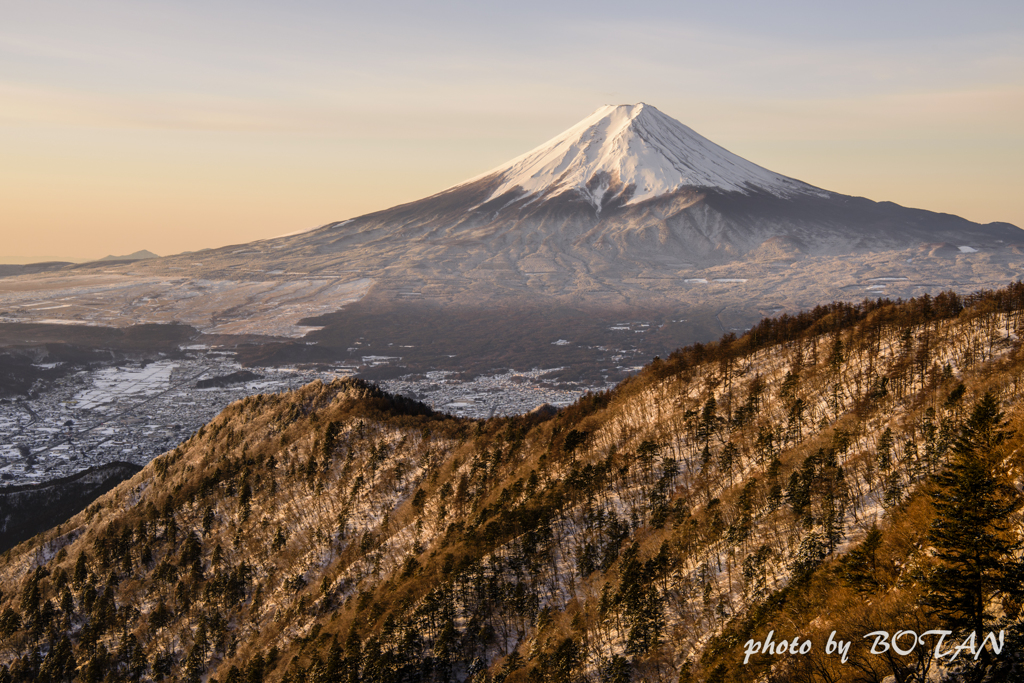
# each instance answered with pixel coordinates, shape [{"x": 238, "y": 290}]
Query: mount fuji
[
  {"x": 626, "y": 191},
  {"x": 628, "y": 216}
]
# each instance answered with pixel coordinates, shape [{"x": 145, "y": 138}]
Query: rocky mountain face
[
  {"x": 627, "y": 216},
  {"x": 852, "y": 469}
]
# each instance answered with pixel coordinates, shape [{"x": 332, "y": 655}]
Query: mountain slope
[
  {"x": 629, "y": 215},
  {"x": 336, "y": 533},
  {"x": 628, "y": 188},
  {"x": 628, "y": 206}
]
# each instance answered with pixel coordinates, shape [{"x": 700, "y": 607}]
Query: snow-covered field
[
  {"x": 110, "y": 384},
  {"x": 263, "y": 307}
]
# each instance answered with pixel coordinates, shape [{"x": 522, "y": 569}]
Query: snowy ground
[
  {"x": 271, "y": 307},
  {"x": 109, "y": 385},
  {"x": 129, "y": 412}
]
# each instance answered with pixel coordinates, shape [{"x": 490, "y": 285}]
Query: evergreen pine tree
[
  {"x": 883, "y": 455},
  {"x": 59, "y": 664},
  {"x": 971, "y": 530},
  {"x": 353, "y": 655},
  {"x": 860, "y": 565}
]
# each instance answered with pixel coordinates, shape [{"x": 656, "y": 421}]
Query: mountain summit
[
  {"x": 629, "y": 215},
  {"x": 633, "y": 153},
  {"x": 626, "y": 193}
]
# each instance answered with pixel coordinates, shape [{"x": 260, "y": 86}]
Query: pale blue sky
[{"x": 131, "y": 125}]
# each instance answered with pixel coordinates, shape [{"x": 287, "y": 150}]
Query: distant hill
[
  {"x": 29, "y": 509},
  {"x": 238, "y": 377},
  {"x": 136, "y": 256}
]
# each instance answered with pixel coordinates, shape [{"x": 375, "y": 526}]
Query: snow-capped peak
[{"x": 635, "y": 145}]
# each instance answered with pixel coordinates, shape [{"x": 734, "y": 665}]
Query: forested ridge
[{"x": 852, "y": 469}]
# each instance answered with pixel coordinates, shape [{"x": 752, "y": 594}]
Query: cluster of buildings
[{"x": 509, "y": 393}]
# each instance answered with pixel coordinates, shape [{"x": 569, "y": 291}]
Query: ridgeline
[{"x": 804, "y": 481}]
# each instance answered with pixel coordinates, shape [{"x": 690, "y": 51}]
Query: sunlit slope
[{"x": 336, "y": 533}]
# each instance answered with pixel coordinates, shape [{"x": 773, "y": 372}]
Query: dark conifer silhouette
[{"x": 971, "y": 532}]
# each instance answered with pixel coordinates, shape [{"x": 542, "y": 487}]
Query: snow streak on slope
[{"x": 638, "y": 147}]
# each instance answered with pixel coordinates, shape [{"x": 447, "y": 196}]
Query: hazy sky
[{"x": 186, "y": 125}]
